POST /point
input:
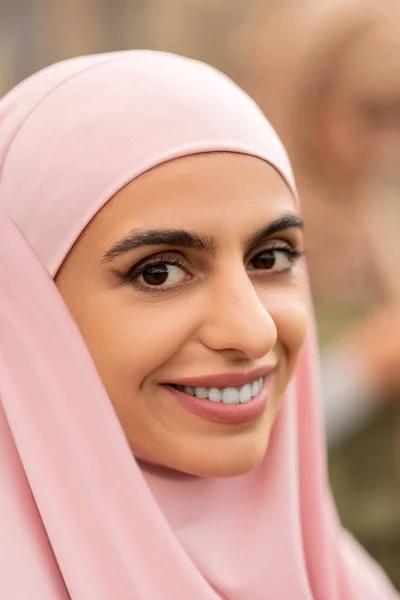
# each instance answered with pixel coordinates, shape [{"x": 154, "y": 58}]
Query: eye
[
  {"x": 278, "y": 260},
  {"x": 161, "y": 274},
  {"x": 158, "y": 272}
]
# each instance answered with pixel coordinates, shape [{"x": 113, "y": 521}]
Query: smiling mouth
[{"x": 225, "y": 395}]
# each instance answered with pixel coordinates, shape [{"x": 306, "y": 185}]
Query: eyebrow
[
  {"x": 285, "y": 222},
  {"x": 190, "y": 239},
  {"x": 162, "y": 237}
]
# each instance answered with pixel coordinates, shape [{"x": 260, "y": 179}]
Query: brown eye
[
  {"x": 156, "y": 275},
  {"x": 265, "y": 260},
  {"x": 161, "y": 275},
  {"x": 277, "y": 260}
]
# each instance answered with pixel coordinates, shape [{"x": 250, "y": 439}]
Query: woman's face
[
  {"x": 189, "y": 292},
  {"x": 363, "y": 109}
]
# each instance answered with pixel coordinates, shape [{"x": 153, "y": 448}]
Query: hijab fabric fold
[{"x": 79, "y": 518}]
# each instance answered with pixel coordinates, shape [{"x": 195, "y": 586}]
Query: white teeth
[
  {"x": 245, "y": 393},
  {"x": 255, "y": 388},
  {"x": 230, "y": 395},
  {"x": 215, "y": 395}
]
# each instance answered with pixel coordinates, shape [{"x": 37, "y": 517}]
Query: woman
[{"x": 155, "y": 194}]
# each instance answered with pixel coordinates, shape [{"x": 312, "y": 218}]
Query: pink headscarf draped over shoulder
[{"x": 78, "y": 518}]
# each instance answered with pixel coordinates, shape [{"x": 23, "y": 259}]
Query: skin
[{"x": 215, "y": 314}]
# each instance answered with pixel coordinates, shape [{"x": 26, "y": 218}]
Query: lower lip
[{"x": 219, "y": 412}]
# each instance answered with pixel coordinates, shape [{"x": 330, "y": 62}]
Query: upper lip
[{"x": 220, "y": 380}]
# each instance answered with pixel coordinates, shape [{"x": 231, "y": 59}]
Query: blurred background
[{"x": 327, "y": 75}]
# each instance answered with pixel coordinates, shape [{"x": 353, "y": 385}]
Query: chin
[
  {"x": 229, "y": 458},
  {"x": 232, "y": 468}
]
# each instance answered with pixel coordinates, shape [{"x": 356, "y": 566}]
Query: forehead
[{"x": 200, "y": 191}]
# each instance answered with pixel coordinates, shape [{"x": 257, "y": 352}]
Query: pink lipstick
[{"x": 230, "y": 398}]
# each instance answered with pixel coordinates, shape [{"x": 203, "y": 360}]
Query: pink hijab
[{"x": 78, "y": 517}]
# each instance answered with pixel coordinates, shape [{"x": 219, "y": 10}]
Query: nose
[{"x": 236, "y": 320}]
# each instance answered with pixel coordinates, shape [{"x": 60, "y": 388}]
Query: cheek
[
  {"x": 291, "y": 323},
  {"x": 128, "y": 341},
  {"x": 288, "y": 308}
]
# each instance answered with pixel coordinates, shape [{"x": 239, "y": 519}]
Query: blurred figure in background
[{"x": 335, "y": 102}]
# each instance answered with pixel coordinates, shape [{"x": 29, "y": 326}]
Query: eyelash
[
  {"x": 133, "y": 273},
  {"x": 291, "y": 252},
  {"x": 131, "y": 276}
]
